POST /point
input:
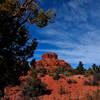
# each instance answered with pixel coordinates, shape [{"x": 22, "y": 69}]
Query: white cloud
[
  {"x": 73, "y": 36},
  {"x": 88, "y": 51}
]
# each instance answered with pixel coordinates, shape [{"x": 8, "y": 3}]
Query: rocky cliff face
[
  {"x": 50, "y": 61},
  {"x": 47, "y": 56}
]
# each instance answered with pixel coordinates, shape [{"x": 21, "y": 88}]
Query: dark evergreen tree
[
  {"x": 15, "y": 45},
  {"x": 80, "y": 69},
  {"x": 95, "y": 68},
  {"x": 89, "y": 71},
  {"x": 99, "y": 68},
  {"x": 34, "y": 86}
]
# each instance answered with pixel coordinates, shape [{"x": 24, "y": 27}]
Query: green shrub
[
  {"x": 34, "y": 88},
  {"x": 80, "y": 69},
  {"x": 70, "y": 81},
  {"x": 33, "y": 73},
  {"x": 38, "y": 70},
  {"x": 67, "y": 73},
  {"x": 87, "y": 83},
  {"x": 60, "y": 70},
  {"x": 94, "y": 96},
  {"x": 56, "y": 76},
  {"x": 42, "y": 75},
  {"x": 43, "y": 70},
  {"x": 50, "y": 74},
  {"x": 94, "y": 69},
  {"x": 90, "y": 71},
  {"x": 91, "y": 83},
  {"x": 62, "y": 90},
  {"x": 96, "y": 77}
]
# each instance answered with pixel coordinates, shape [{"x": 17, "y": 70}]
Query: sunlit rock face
[
  {"x": 47, "y": 56},
  {"x": 51, "y": 61}
]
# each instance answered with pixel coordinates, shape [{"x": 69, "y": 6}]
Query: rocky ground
[{"x": 66, "y": 88}]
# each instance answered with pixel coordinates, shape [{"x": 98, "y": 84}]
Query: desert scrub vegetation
[
  {"x": 62, "y": 90},
  {"x": 91, "y": 82},
  {"x": 34, "y": 86},
  {"x": 42, "y": 71},
  {"x": 67, "y": 73},
  {"x": 80, "y": 69},
  {"x": 56, "y": 76},
  {"x": 62, "y": 70},
  {"x": 71, "y": 81},
  {"x": 94, "y": 96}
]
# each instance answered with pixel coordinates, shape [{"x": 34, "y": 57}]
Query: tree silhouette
[
  {"x": 34, "y": 87},
  {"x": 80, "y": 69},
  {"x": 15, "y": 44},
  {"x": 95, "y": 68}
]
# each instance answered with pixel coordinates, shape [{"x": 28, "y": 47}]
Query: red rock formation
[
  {"x": 50, "y": 60},
  {"x": 47, "y": 56}
]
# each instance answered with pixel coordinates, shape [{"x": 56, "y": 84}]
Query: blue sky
[{"x": 76, "y": 34}]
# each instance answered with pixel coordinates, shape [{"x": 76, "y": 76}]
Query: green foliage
[
  {"x": 16, "y": 47},
  {"x": 43, "y": 70},
  {"x": 90, "y": 71},
  {"x": 61, "y": 70},
  {"x": 56, "y": 76},
  {"x": 62, "y": 90},
  {"x": 29, "y": 7},
  {"x": 33, "y": 73},
  {"x": 42, "y": 75},
  {"x": 94, "y": 96},
  {"x": 34, "y": 86},
  {"x": 67, "y": 73},
  {"x": 91, "y": 82},
  {"x": 80, "y": 69},
  {"x": 70, "y": 81},
  {"x": 95, "y": 68},
  {"x": 38, "y": 70},
  {"x": 8, "y": 5}
]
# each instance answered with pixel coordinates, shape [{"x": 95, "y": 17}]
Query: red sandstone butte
[{"x": 51, "y": 61}]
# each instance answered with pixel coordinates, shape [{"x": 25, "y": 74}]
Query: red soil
[{"x": 73, "y": 91}]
